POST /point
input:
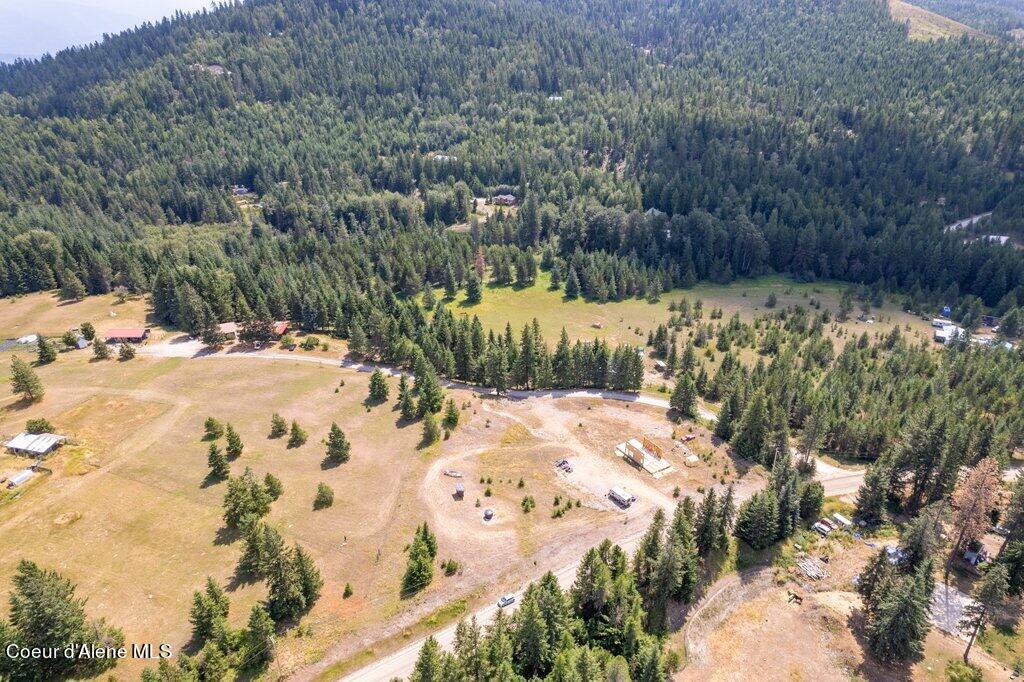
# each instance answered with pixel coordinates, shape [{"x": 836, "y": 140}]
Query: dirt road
[{"x": 399, "y": 664}]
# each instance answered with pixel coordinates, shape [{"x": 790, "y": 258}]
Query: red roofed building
[
  {"x": 281, "y": 328},
  {"x": 126, "y": 335},
  {"x": 227, "y": 331}
]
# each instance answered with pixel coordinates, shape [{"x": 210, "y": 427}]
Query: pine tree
[
  {"x": 126, "y": 352},
  {"x": 100, "y": 350},
  {"x": 25, "y": 381},
  {"x": 310, "y": 580},
  {"x": 474, "y": 289},
  {"x": 45, "y": 614},
  {"x": 234, "y": 443},
  {"x": 260, "y": 638},
  {"x": 88, "y": 331},
  {"x": 706, "y": 526},
  {"x": 572, "y": 284},
  {"x": 497, "y": 368},
  {"x": 420, "y": 568},
  {"x": 451, "y": 416},
  {"x": 407, "y": 407},
  {"x": 297, "y": 436},
  {"x": 989, "y": 593},
  {"x": 338, "y": 447},
  {"x": 750, "y": 439},
  {"x": 684, "y": 397},
  {"x": 758, "y": 520},
  {"x": 429, "y": 664},
  {"x": 900, "y": 621},
  {"x": 273, "y": 485},
  {"x": 46, "y": 350},
  {"x": 209, "y": 607},
  {"x": 212, "y": 429},
  {"x": 378, "y": 387},
  {"x": 278, "y": 426},
  {"x": 431, "y": 396},
  {"x": 873, "y": 494},
  {"x": 726, "y": 514},
  {"x": 723, "y": 427},
  {"x": 431, "y": 431},
  {"x": 324, "y": 497},
  {"x": 219, "y": 469},
  {"x": 285, "y": 600}
]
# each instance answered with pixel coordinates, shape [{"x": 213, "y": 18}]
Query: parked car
[
  {"x": 561, "y": 463},
  {"x": 488, "y": 514},
  {"x": 506, "y": 600}
]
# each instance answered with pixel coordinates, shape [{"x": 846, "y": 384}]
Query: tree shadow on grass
[
  {"x": 327, "y": 463},
  {"x": 211, "y": 481},
  {"x": 226, "y": 535}
]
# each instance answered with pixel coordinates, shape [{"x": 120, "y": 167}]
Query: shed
[
  {"x": 460, "y": 491},
  {"x": 81, "y": 343},
  {"x": 127, "y": 335},
  {"x": 281, "y": 328},
  {"x": 20, "y": 478},
  {"x": 35, "y": 444}
]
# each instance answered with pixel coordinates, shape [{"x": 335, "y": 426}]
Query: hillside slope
[{"x": 927, "y": 25}]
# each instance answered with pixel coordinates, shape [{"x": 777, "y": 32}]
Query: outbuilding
[
  {"x": 127, "y": 335},
  {"x": 20, "y": 478},
  {"x": 35, "y": 444}
]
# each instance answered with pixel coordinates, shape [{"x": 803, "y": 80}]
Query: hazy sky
[{"x": 31, "y": 28}]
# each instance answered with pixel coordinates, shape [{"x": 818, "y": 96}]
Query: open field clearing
[
  {"x": 44, "y": 313},
  {"x": 927, "y": 25},
  {"x": 128, "y": 515},
  {"x": 629, "y": 321}
]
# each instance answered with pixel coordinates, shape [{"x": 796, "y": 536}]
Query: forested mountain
[
  {"x": 803, "y": 136},
  {"x": 997, "y": 17}
]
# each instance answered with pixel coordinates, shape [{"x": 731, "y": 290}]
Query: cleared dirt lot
[{"x": 785, "y": 627}]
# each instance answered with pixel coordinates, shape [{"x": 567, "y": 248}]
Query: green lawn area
[{"x": 620, "y": 320}]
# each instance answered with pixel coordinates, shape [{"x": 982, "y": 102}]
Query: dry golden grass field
[
  {"x": 927, "y": 25},
  {"x": 128, "y": 516}
]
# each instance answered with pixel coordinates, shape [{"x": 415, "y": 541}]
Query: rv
[{"x": 621, "y": 497}]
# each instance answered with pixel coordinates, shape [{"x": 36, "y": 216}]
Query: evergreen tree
[
  {"x": 758, "y": 520},
  {"x": 25, "y": 381},
  {"x": 100, "y": 350},
  {"x": 45, "y": 614},
  {"x": 324, "y": 497},
  {"x": 900, "y": 621},
  {"x": 297, "y": 436},
  {"x": 873, "y": 494},
  {"x": 273, "y": 485},
  {"x": 723, "y": 427},
  {"x": 572, "y": 285},
  {"x": 234, "y": 442},
  {"x": 431, "y": 431},
  {"x": 407, "y": 407},
  {"x": 46, "y": 350},
  {"x": 338, "y": 447},
  {"x": 378, "y": 387},
  {"x": 209, "y": 609},
  {"x": 219, "y": 469},
  {"x": 212, "y": 429},
  {"x": 684, "y": 397},
  {"x": 260, "y": 638},
  {"x": 126, "y": 352},
  {"x": 451, "y": 416},
  {"x": 751, "y": 437},
  {"x": 474, "y": 289},
  {"x": 278, "y": 426},
  {"x": 431, "y": 397}
]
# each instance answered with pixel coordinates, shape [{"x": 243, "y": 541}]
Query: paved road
[{"x": 836, "y": 481}]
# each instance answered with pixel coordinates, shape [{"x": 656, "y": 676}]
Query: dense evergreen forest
[{"x": 651, "y": 144}]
